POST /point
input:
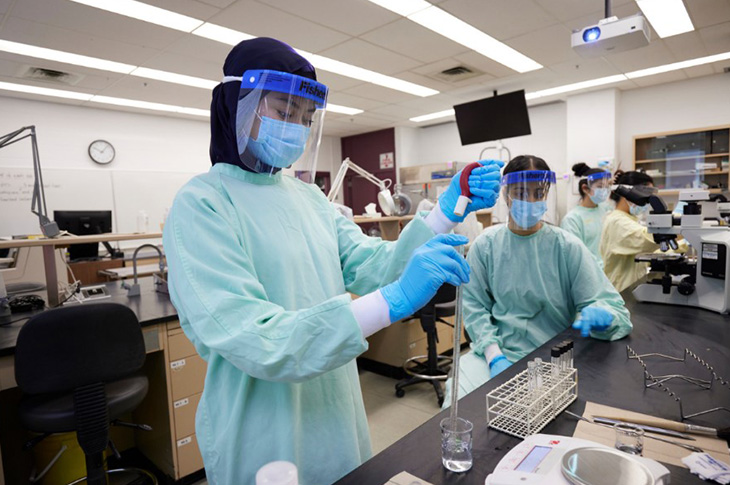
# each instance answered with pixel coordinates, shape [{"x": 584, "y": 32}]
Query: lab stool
[
  {"x": 77, "y": 368},
  {"x": 432, "y": 368}
]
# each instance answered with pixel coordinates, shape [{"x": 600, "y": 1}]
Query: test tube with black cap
[
  {"x": 570, "y": 354},
  {"x": 555, "y": 361}
]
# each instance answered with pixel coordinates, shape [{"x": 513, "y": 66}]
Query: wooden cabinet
[
  {"x": 177, "y": 376},
  {"x": 685, "y": 159}
]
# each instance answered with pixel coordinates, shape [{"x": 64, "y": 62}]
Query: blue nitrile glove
[
  {"x": 483, "y": 184},
  {"x": 430, "y": 266},
  {"x": 497, "y": 365},
  {"x": 593, "y": 318}
]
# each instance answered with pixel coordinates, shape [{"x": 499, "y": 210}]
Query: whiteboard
[
  {"x": 125, "y": 193},
  {"x": 65, "y": 190}
]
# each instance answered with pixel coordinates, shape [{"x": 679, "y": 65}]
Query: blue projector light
[{"x": 589, "y": 35}]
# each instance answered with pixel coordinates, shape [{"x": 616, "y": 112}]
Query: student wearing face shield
[
  {"x": 585, "y": 221},
  {"x": 531, "y": 280},
  {"x": 260, "y": 268}
]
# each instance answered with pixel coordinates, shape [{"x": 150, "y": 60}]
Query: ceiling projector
[{"x": 611, "y": 35}]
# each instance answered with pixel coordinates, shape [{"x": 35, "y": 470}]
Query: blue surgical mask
[
  {"x": 599, "y": 196},
  {"x": 279, "y": 143},
  {"x": 638, "y": 210},
  {"x": 527, "y": 214}
]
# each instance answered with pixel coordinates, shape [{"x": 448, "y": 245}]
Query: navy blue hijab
[{"x": 259, "y": 53}]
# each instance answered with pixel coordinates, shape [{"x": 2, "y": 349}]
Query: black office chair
[
  {"x": 431, "y": 368},
  {"x": 77, "y": 369}
]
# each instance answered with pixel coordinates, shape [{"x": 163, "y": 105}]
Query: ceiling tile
[
  {"x": 202, "y": 49},
  {"x": 547, "y": 46},
  {"x": 96, "y": 24},
  {"x": 583, "y": 70},
  {"x": 441, "y": 86},
  {"x": 379, "y": 93},
  {"x": 335, "y": 82},
  {"x": 415, "y": 41},
  {"x": 351, "y": 101},
  {"x": 4, "y": 6},
  {"x": 686, "y": 46},
  {"x": 397, "y": 111},
  {"x": 699, "y": 71},
  {"x": 716, "y": 38},
  {"x": 352, "y": 18},
  {"x": 36, "y": 97},
  {"x": 655, "y": 54},
  {"x": 217, "y": 3},
  {"x": 502, "y": 19},
  {"x": 131, "y": 87},
  {"x": 37, "y": 34},
  {"x": 370, "y": 56},
  {"x": 705, "y": 13},
  {"x": 181, "y": 64},
  {"x": 261, "y": 20},
  {"x": 565, "y": 10},
  {"x": 627, "y": 9},
  {"x": 191, "y": 8}
]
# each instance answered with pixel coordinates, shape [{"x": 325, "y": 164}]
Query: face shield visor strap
[
  {"x": 527, "y": 195},
  {"x": 279, "y": 118},
  {"x": 634, "y": 193}
]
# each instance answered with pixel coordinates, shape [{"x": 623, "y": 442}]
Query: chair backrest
[
  {"x": 445, "y": 294},
  {"x": 62, "y": 349}
]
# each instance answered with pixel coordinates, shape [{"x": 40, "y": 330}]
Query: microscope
[{"x": 699, "y": 281}]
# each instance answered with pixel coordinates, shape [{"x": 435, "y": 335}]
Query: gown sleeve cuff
[
  {"x": 438, "y": 222},
  {"x": 371, "y": 312},
  {"x": 492, "y": 351}
]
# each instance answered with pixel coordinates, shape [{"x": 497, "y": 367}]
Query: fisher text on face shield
[{"x": 312, "y": 89}]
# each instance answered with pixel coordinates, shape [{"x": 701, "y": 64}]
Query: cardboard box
[{"x": 405, "y": 339}]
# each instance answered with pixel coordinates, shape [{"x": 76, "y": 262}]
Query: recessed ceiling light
[
  {"x": 221, "y": 34},
  {"x": 455, "y": 29},
  {"x": 147, "y": 13},
  {"x": 591, "y": 83},
  {"x": 335, "y": 108},
  {"x": 668, "y": 17}
]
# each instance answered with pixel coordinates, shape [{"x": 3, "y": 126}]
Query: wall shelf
[{"x": 690, "y": 157}]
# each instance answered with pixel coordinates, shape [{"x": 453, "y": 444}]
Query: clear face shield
[
  {"x": 279, "y": 121},
  {"x": 599, "y": 186},
  {"x": 528, "y": 196}
]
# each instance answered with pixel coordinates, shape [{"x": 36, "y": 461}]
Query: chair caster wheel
[{"x": 400, "y": 392}]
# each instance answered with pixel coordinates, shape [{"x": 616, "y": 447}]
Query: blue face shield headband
[{"x": 279, "y": 120}]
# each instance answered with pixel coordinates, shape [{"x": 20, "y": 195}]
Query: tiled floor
[{"x": 390, "y": 418}]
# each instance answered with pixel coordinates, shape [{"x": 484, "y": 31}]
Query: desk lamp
[
  {"x": 385, "y": 199},
  {"x": 48, "y": 227}
]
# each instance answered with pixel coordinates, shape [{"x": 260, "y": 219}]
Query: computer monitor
[
  {"x": 82, "y": 223},
  {"x": 495, "y": 118}
]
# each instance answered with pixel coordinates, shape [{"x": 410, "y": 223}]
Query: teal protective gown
[
  {"x": 524, "y": 290},
  {"x": 259, "y": 270},
  {"x": 587, "y": 224}
]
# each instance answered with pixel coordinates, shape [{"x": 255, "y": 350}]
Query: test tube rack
[{"x": 517, "y": 410}]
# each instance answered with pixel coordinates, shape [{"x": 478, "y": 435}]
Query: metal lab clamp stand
[{"x": 519, "y": 410}]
